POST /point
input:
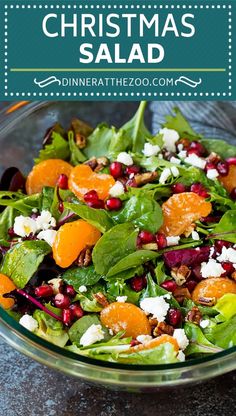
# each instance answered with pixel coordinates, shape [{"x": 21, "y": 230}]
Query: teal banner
[{"x": 116, "y": 50}]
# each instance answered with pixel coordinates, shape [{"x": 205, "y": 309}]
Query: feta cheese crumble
[
  {"x": 24, "y": 226},
  {"x": 93, "y": 334},
  {"x": 211, "y": 269},
  {"x": 165, "y": 174},
  {"x": 182, "y": 154},
  {"x": 150, "y": 149},
  {"x": 204, "y": 323},
  {"x": 117, "y": 189},
  {"x": 196, "y": 161},
  {"x": 175, "y": 160},
  {"x": 28, "y": 322},
  {"x": 172, "y": 240},
  {"x": 227, "y": 254},
  {"x": 181, "y": 356},
  {"x": 174, "y": 171},
  {"x": 48, "y": 236},
  {"x": 45, "y": 220},
  {"x": 125, "y": 158},
  {"x": 156, "y": 306},
  {"x": 181, "y": 338},
  {"x": 212, "y": 174},
  {"x": 83, "y": 289},
  {"x": 195, "y": 235},
  {"x": 56, "y": 284},
  {"x": 144, "y": 339},
  {"x": 170, "y": 137},
  {"x": 121, "y": 299}
]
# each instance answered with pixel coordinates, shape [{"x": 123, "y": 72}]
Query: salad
[{"x": 120, "y": 245}]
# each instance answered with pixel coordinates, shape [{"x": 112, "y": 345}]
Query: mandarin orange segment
[
  {"x": 46, "y": 173},
  {"x": 6, "y": 286},
  {"x": 71, "y": 239},
  {"x": 181, "y": 210},
  {"x": 229, "y": 181},
  {"x": 120, "y": 316},
  {"x": 83, "y": 180},
  {"x": 163, "y": 339},
  {"x": 213, "y": 287}
]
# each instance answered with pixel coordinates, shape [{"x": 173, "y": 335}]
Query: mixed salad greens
[{"x": 120, "y": 245}]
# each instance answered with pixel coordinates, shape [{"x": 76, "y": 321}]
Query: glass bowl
[{"x": 21, "y": 135}]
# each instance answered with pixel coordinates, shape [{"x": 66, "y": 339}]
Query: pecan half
[
  {"x": 181, "y": 293},
  {"x": 213, "y": 158},
  {"x": 194, "y": 316},
  {"x": 207, "y": 301},
  {"x": 153, "y": 322},
  {"x": 101, "y": 299},
  {"x": 233, "y": 275},
  {"x": 185, "y": 142},
  {"x": 143, "y": 178},
  {"x": 102, "y": 162},
  {"x": 85, "y": 257},
  {"x": 180, "y": 274},
  {"x": 92, "y": 163},
  {"x": 163, "y": 328}
]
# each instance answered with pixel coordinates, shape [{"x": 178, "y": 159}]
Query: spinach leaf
[
  {"x": 198, "y": 342},
  {"x": 136, "y": 130},
  {"x": 113, "y": 246},
  {"x": 99, "y": 218},
  {"x": 88, "y": 301},
  {"x": 161, "y": 276},
  {"x": 99, "y": 141},
  {"x": 79, "y": 276},
  {"x": 162, "y": 354},
  {"x": 80, "y": 327},
  {"x": 226, "y": 228},
  {"x": 221, "y": 147},
  {"x": 205, "y": 310},
  {"x": 179, "y": 123},
  {"x": 117, "y": 287},
  {"x": 145, "y": 213},
  {"x": 152, "y": 290},
  {"x": 22, "y": 261},
  {"x": 47, "y": 198},
  {"x": 127, "y": 274},
  {"x": 58, "y": 149},
  {"x": 76, "y": 155},
  {"x": 22, "y": 203},
  {"x": 6, "y": 221},
  {"x": 130, "y": 261},
  {"x": 223, "y": 334},
  {"x": 50, "y": 328}
]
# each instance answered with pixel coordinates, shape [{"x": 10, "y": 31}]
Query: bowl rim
[{"x": 7, "y": 323}]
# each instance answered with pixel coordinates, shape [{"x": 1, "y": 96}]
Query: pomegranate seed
[
  {"x": 210, "y": 165},
  {"x": 169, "y": 285},
  {"x": 134, "y": 342},
  {"x": 199, "y": 189},
  {"x": 161, "y": 240},
  {"x": 76, "y": 310},
  {"x": 99, "y": 204},
  {"x": 219, "y": 244},
  {"x": 61, "y": 301},
  {"x": 70, "y": 291},
  {"x": 11, "y": 232},
  {"x": 178, "y": 188},
  {"x": 222, "y": 168},
  {"x": 66, "y": 317},
  {"x": 231, "y": 161},
  {"x": 62, "y": 182},
  {"x": 233, "y": 194},
  {"x": 116, "y": 169},
  {"x": 174, "y": 316},
  {"x": 61, "y": 207},
  {"x": 132, "y": 183},
  {"x": 137, "y": 283},
  {"x": 191, "y": 284},
  {"x": 197, "y": 273},
  {"x": 134, "y": 169},
  {"x": 91, "y": 196},
  {"x": 44, "y": 291},
  {"x": 197, "y": 147},
  {"x": 113, "y": 204},
  {"x": 146, "y": 237},
  {"x": 228, "y": 267}
]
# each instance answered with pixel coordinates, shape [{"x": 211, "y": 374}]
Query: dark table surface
[{"x": 31, "y": 389}]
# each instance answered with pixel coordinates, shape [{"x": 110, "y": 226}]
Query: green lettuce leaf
[
  {"x": 226, "y": 306},
  {"x": 226, "y": 228},
  {"x": 221, "y": 147},
  {"x": 76, "y": 155},
  {"x": 223, "y": 334},
  {"x": 198, "y": 342},
  {"x": 6, "y": 221},
  {"x": 22, "y": 261},
  {"x": 163, "y": 354},
  {"x": 179, "y": 123},
  {"x": 50, "y": 328},
  {"x": 57, "y": 149}
]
